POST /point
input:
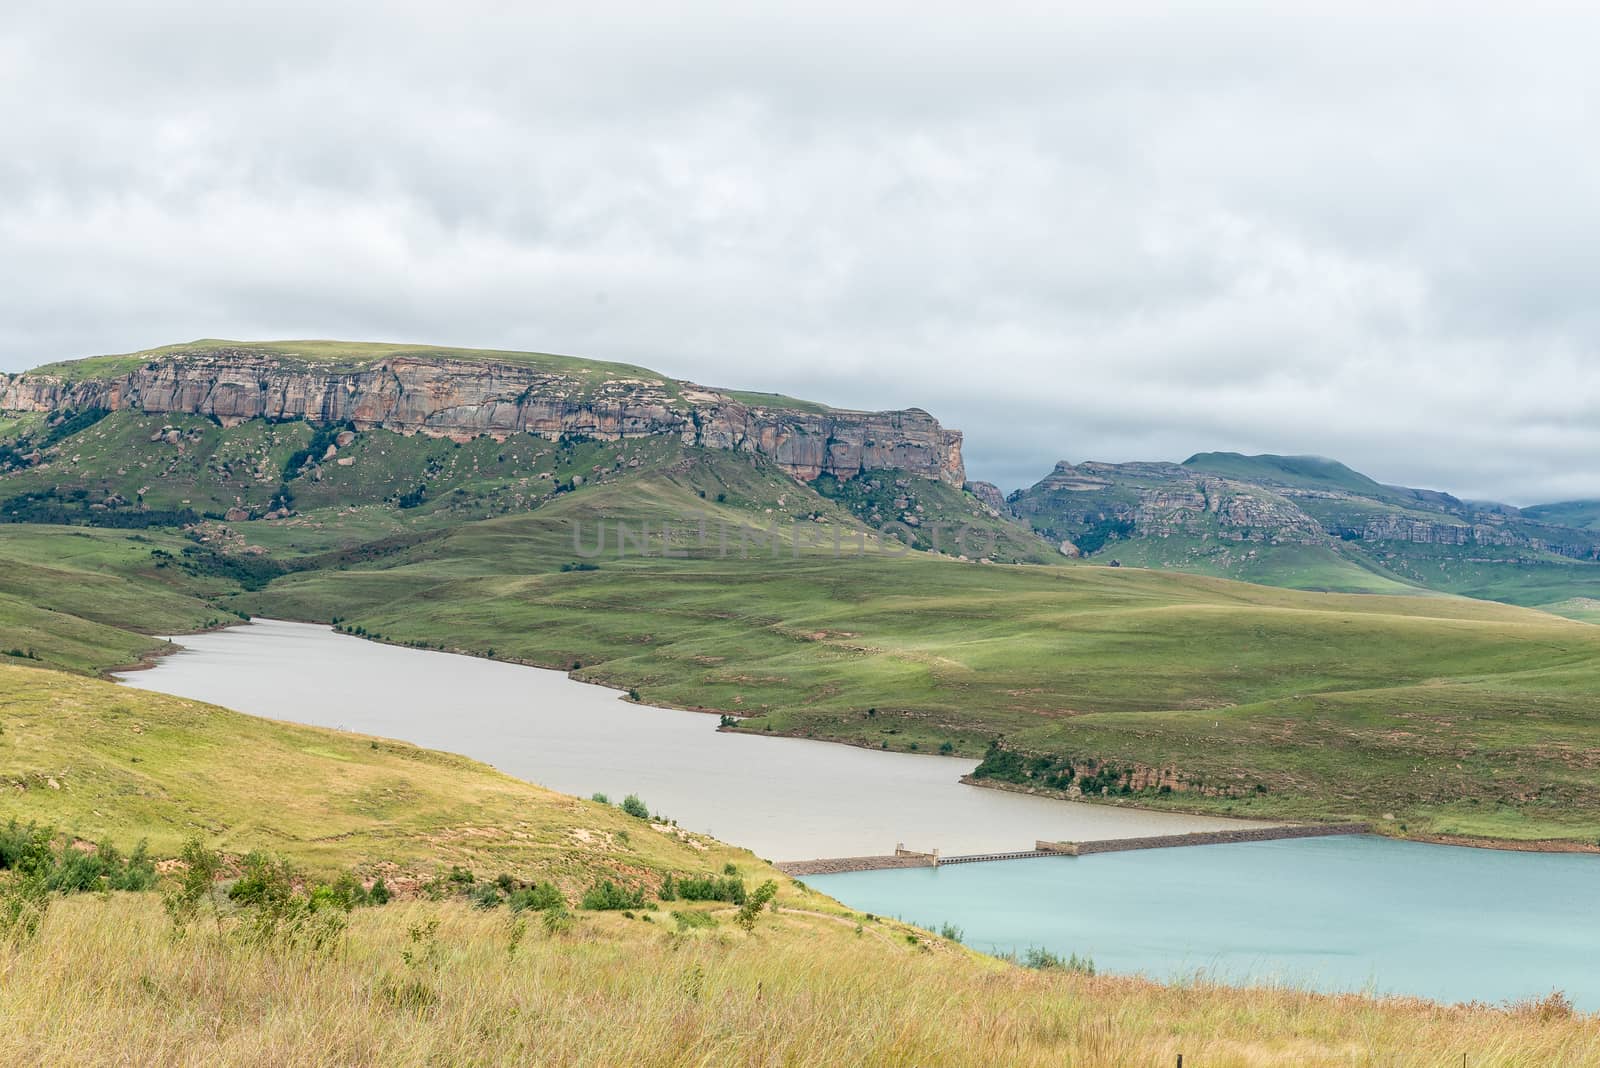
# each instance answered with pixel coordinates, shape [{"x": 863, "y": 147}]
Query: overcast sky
[{"x": 1077, "y": 237}]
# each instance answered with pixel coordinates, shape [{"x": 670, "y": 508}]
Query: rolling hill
[{"x": 881, "y": 606}]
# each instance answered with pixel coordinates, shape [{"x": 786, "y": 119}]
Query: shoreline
[
  {"x": 1515, "y": 845},
  {"x": 1464, "y": 841}
]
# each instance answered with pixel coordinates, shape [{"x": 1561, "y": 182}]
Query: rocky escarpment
[
  {"x": 466, "y": 398},
  {"x": 1091, "y": 505},
  {"x": 1154, "y": 499}
]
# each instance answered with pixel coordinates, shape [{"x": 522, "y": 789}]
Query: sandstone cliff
[
  {"x": 462, "y": 398},
  {"x": 1156, "y": 499}
]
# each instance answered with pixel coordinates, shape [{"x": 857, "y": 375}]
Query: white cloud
[{"x": 1082, "y": 236}]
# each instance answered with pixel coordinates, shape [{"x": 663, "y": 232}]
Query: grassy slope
[
  {"x": 1165, "y": 670},
  {"x": 1583, "y": 515},
  {"x": 1457, "y": 716},
  {"x": 128, "y": 764},
  {"x": 1311, "y": 472},
  {"x": 86, "y": 600},
  {"x": 1294, "y": 567},
  {"x": 105, "y": 982}
]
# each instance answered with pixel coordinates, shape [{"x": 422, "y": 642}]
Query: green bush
[
  {"x": 196, "y": 885},
  {"x": 34, "y": 852},
  {"x": 539, "y": 897},
  {"x": 26, "y": 849},
  {"x": 635, "y": 807},
  {"x": 729, "y": 888},
  {"x": 746, "y": 917},
  {"x": 276, "y": 916},
  {"x": 606, "y": 895}
]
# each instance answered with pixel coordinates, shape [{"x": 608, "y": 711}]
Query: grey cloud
[{"x": 1370, "y": 235}]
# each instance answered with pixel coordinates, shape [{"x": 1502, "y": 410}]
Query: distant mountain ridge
[{"x": 1305, "y": 521}]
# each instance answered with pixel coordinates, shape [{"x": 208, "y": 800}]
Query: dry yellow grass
[{"x": 105, "y": 982}]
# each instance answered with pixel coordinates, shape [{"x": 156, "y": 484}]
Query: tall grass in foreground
[{"x": 105, "y": 980}]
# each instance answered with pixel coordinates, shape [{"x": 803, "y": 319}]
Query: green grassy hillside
[
  {"x": 1205, "y": 685},
  {"x": 1309, "y": 472},
  {"x": 1583, "y": 515},
  {"x": 1454, "y": 716},
  {"x": 115, "y": 977},
  {"x": 1457, "y": 716},
  {"x": 109, "y": 762},
  {"x": 1322, "y": 568}
]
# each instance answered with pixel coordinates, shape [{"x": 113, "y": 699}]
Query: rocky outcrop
[
  {"x": 1423, "y": 532},
  {"x": 1164, "y": 499},
  {"x": 989, "y": 494},
  {"x": 465, "y": 398}
]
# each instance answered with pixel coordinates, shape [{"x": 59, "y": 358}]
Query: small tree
[
  {"x": 635, "y": 807},
  {"x": 753, "y": 905},
  {"x": 195, "y": 886}
]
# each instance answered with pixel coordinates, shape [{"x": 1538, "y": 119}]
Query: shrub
[
  {"x": 606, "y": 895},
  {"x": 729, "y": 888},
  {"x": 602, "y": 798},
  {"x": 266, "y": 879},
  {"x": 540, "y": 897},
  {"x": 635, "y": 807},
  {"x": 1044, "y": 960},
  {"x": 379, "y": 894},
  {"x": 278, "y": 917},
  {"x": 196, "y": 886},
  {"x": 669, "y": 890},
  {"x": 25, "y": 849},
  {"x": 79, "y": 871}
]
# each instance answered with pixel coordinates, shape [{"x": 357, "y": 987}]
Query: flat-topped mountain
[{"x": 466, "y": 393}]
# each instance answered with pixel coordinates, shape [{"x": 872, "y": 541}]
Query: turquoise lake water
[{"x": 1358, "y": 914}]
